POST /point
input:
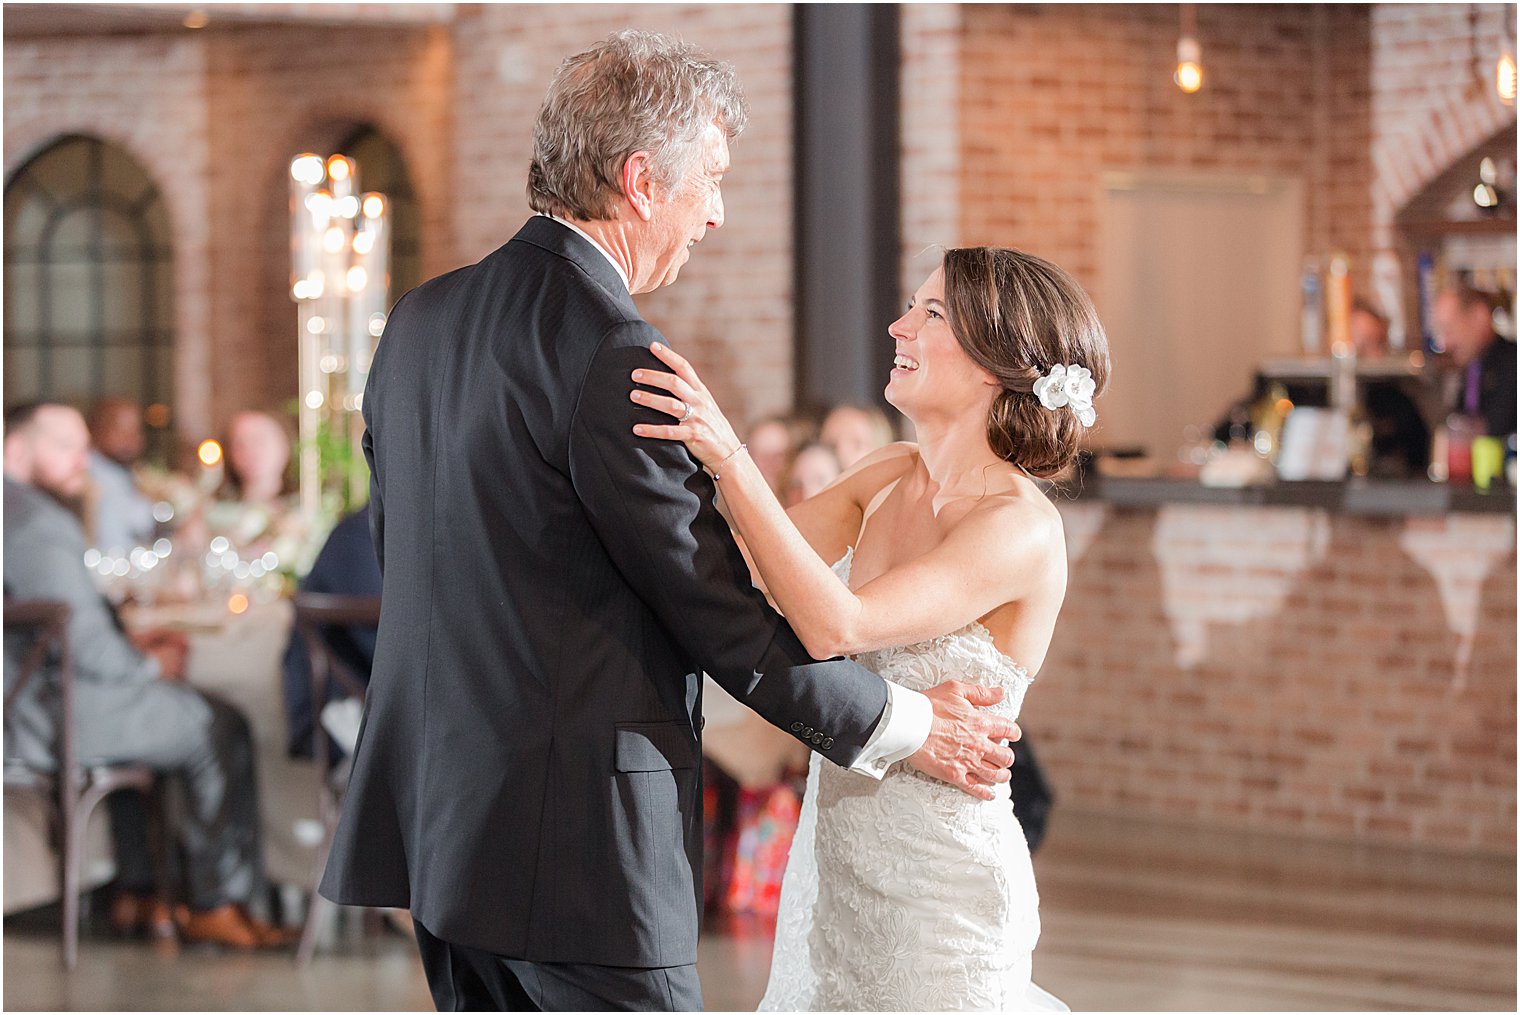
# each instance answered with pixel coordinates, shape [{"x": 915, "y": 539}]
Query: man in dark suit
[
  {"x": 1464, "y": 320},
  {"x": 527, "y": 777}
]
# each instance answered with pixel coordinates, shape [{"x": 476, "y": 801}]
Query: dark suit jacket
[
  {"x": 527, "y": 775},
  {"x": 1496, "y": 389}
]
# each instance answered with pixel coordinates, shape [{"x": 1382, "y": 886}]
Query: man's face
[
  {"x": 680, "y": 219},
  {"x": 120, "y": 433},
  {"x": 1463, "y": 331},
  {"x": 1369, "y": 336},
  {"x": 60, "y": 448}
]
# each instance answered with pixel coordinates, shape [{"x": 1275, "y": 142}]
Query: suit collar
[{"x": 562, "y": 241}]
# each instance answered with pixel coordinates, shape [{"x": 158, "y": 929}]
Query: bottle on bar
[{"x": 1351, "y": 421}]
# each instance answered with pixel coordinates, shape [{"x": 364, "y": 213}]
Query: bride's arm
[
  {"x": 830, "y": 520},
  {"x": 977, "y": 568}
]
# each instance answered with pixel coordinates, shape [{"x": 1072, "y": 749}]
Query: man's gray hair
[{"x": 634, "y": 91}]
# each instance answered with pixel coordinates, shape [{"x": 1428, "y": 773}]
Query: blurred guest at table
[
  {"x": 813, "y": 468},
  {"x": 773, "y": 443},
  {"x": 1464, "y": 322},
  {"x": 130, "y": 703},
  {"x": 347, "y": 566},
  {"x": 770, "y": 445},
  {"x": 121, "y": 517},
  {"x": 256, "y": 508},
  {"x": 854, "y": 431}
]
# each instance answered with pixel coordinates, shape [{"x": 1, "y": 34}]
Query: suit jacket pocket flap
[{"x": 655, "y": 747}]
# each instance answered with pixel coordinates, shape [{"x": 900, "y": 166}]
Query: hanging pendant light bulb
[
  {"x": 1504, "y": 72},
  {"x": 1189, "y": 74}
]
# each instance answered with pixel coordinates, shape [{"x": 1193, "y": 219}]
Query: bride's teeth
[{"x": 904, "y": 362}]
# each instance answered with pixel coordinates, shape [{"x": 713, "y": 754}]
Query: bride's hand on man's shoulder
[{"x": 699, "y": 422}]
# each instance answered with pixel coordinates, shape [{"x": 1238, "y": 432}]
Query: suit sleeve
[
  {"x": 652, "y": 507},
  {"x": 50, "y": 565}
]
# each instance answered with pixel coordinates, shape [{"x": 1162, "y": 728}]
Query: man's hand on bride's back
[{"x": 966, "y": 746}]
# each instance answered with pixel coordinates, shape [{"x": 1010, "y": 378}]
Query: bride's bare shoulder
[
  {"x": 880, "y": 469},
  {"x": 1022, "y": 514}
]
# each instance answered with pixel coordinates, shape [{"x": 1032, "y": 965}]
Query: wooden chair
[
  {"x": 72, "y": 789},
  {"x": 315, "y": 613}
]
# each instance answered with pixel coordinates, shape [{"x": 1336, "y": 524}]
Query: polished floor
[{"x": 1137, "y": 916}]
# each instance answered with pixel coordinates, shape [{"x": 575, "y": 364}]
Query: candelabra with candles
[{"x": 340, "y": 280}]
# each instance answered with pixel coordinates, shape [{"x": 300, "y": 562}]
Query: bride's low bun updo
[{"x": 1016, "y": 316}]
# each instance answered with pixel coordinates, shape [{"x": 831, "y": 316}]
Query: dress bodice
[{"x": 969, "y": 655}]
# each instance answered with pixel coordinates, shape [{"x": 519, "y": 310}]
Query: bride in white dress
[{"x": 908, "y": 894}]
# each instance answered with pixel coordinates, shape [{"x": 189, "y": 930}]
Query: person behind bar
[{"x": 1464, "y": 323}]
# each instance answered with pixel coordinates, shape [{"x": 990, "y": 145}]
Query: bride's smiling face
[{"x": 932, "y": 375}]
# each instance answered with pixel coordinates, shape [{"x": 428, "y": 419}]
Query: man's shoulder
[{"x": 28, "y": 509}]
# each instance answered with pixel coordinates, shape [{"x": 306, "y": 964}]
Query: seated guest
[
  {"x": 773, "y": 443},
  {"x": 854, "y": 431},
  {"x": 120, "y": 516},
  {"x": 256, "y": 507},
  {"x": 346, "y": 566},
  {"x": 813, "y": 468},
  {"x": 130, "y": 701},
  {"x": 770, "y": 445},
  {"x": 1464, "y": 323}
]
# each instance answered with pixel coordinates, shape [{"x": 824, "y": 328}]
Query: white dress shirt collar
[{"x": 590, "y": 239}]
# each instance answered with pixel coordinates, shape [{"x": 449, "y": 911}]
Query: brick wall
[
  {"x": 1054, "y": 96},
  {"x": 214, "y": 118},
  {"x": 1431, "y": 106},
  {"x": 148, "y": 95},
  {"x": 1288, "y": 670},
  {"x": 931, "y": 136},
  {"x": 731, "y": 308},
  {"x": 274, "y": 92}
]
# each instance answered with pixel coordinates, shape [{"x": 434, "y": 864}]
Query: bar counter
[
  {"x": 1351, "y": 496},
  {"x": 1327, "y": 659}
]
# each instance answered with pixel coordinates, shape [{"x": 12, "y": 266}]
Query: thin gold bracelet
[{"x": 731, "y": 454}]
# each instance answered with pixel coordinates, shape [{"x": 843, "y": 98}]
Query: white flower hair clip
[{"x": 1068, "y": 385}]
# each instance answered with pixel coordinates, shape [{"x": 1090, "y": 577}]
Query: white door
[{"x": 1199, "y": 284}]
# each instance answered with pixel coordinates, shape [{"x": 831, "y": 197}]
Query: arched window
[
  {"x": 88, "y": 283},
  {"x": 382, "y": 169}
]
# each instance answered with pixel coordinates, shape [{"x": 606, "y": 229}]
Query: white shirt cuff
[{"x": 903, "y": 728}]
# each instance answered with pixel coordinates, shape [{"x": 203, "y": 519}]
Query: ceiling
[{"x": 28, "y": 20}]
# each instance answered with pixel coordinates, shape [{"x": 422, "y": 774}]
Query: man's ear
[
  {"x": 18, "y": 455},
  {"x": 638, "y": 184}
]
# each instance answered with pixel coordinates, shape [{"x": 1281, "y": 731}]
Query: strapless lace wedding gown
[{"x": 906, "y": 894}]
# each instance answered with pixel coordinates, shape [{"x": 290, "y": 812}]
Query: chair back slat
[
  {"x": 49, "y": 620},
  {"x": 316, "y": 611}
]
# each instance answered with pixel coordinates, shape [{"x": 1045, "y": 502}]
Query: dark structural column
[{"x": 847, "y": 210}]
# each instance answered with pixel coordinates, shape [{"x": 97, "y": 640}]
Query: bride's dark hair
[{"x": 1018, "y": 315}]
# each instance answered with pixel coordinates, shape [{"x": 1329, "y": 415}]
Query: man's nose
[{"x": 715, "y": 219}]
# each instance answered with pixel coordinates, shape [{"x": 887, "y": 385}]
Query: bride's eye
[{"x": 936, "y": 316}]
